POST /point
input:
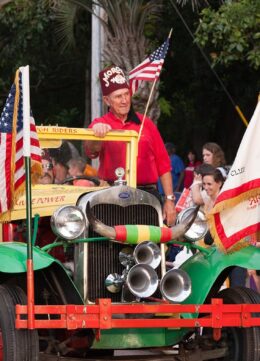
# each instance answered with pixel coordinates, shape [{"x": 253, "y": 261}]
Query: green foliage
[
  {"x": 201, "y": 111},
  {"x": 66, "y": 117},
  {"x": 194, "y": 107},
  {"x": 19, "y": 42},
  {"x": 27, "y": 36},
  {"x": 165, "y": 106},
  {"x": 232, "y": 32}
]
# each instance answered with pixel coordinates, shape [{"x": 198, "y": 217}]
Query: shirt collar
[{"x": 131, "y": 117}]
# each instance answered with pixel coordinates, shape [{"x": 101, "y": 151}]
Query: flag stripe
[
  {"x": 149, "y": 69},
  {"x": 243, "y": 188},
  {"x": 11, "y": 148},
  {"x": 229, "y": 241},
  {"x": 3, "y": 166},
  {"x": 234, "y": 219}
]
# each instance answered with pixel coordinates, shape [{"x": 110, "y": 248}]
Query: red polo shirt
[{"x": 152, "y": 161}]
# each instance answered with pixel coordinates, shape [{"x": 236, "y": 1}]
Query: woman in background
[
  {"x": 212, "y": 182},
  {"x": 213, "y": 154},
  {"x": 189, "y": 170},
  {"x": 206, "y": 187}
]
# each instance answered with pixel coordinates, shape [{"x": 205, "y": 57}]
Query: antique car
[{"x": 113, "y": 289}]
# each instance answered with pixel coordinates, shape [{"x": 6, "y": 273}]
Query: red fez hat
[{"x": 111, "y": 79}]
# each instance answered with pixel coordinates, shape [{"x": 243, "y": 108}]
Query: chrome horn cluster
[{"x": 140, "y": 278}]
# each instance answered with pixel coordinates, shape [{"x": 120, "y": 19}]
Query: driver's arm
[{"x": 93, "y": 147}]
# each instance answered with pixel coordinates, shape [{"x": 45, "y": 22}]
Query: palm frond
[
  {"x": 196, "y": 4},
  {"x": 66, "y": 21},
  {"x": 126, "y": 44}
]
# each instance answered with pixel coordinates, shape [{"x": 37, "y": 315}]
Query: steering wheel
[{"x": 95, "y": 180}]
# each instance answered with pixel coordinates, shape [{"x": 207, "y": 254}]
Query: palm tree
[{"x": 125, "y": 44}]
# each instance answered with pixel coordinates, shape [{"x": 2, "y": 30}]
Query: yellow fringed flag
[
  {"x": 235, "y": 219},
  {"x": 12, "y": 167}
]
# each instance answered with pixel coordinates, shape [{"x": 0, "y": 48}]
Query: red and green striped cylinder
[{"x": 134, "y": 234}]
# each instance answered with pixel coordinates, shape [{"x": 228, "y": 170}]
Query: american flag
[
  {"x": 149, "y": 69},
  {"x": 12, "y": 168}
]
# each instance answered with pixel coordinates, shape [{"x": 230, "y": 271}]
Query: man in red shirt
[{"x": 153, "y": 161}]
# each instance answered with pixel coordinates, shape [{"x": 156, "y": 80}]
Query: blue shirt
[{"x": 177, "y": 167}]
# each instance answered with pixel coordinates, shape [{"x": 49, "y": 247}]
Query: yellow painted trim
[
  {"x": 48, "y": 135},
  {"x": 46, "y": 198},
  {"x": 51, "y": 137}
]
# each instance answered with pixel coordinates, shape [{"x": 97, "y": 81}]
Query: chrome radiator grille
[{"x": 103, "y": 256}]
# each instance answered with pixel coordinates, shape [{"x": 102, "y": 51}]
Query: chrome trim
[{"x": 123, "y": 196}]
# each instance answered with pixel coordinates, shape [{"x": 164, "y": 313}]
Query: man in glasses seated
[{"x": 47, "y": 167}]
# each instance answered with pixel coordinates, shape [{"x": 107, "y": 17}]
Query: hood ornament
[{"x": 120, "y": 172}]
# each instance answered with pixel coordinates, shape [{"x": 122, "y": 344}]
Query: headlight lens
[{"x": 68, "y": 222}]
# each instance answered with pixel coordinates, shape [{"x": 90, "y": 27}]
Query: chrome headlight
[{"x": 68, "y": 222}]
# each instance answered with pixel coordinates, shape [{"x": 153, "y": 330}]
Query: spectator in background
[
  {"x": 60, "y": 170},
  {"x": 177, "y": 167},
  {"x": 45, "y": 179},
  {"x": 212, "y": 181},
  {"x": 47, "y": 167},
  {"x": 189, "y": 170},
  {"x": 177, "y": 171},
  {"x": 77, "y": 168},
  {"x": 60, "y": 156},
  {"x": 213, "y": 154}
]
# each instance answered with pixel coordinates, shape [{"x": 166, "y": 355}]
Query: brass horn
[
  {"x": 142, "y": 280},
  {"x": 147, "y": 253},
  {"x": 175, "y": 285}
]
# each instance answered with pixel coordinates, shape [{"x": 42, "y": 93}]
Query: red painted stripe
[
  {"x": 8, "y": 170},
  {"x": 30, "y": 294},
  {"x": 121, "y": 233},
  {"x": 166, "y": 234}
]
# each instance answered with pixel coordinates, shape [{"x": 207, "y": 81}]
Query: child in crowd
[{"x": 76, "y": 168}]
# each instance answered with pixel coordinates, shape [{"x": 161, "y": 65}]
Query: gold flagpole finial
[{"x": 170, "y": 33}]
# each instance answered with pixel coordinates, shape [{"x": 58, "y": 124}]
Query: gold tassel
[{"x": 229, "y": 203}]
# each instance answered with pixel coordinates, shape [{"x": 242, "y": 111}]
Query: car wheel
[
  {"x": 242, "y": 344},
  {"x": 15, "y": 345}
]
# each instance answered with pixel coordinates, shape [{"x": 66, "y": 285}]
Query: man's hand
[
  {"x": 101, "y": 129},
  {"x": 169, "y": 212}
]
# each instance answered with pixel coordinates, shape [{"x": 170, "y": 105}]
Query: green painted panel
[
  {"x": 13, "y": 256},
  {"x": 131, "y": 338},
  {"x": 204, "y": 269}
]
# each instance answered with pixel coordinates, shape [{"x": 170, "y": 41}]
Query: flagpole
[
  {"x": 146, "y": 109},
  {"x": 149, "y": 99},
  {"x": 27, "y": 160}
]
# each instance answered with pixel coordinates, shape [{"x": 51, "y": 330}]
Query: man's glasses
[{"x": 47, "y": 166}]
